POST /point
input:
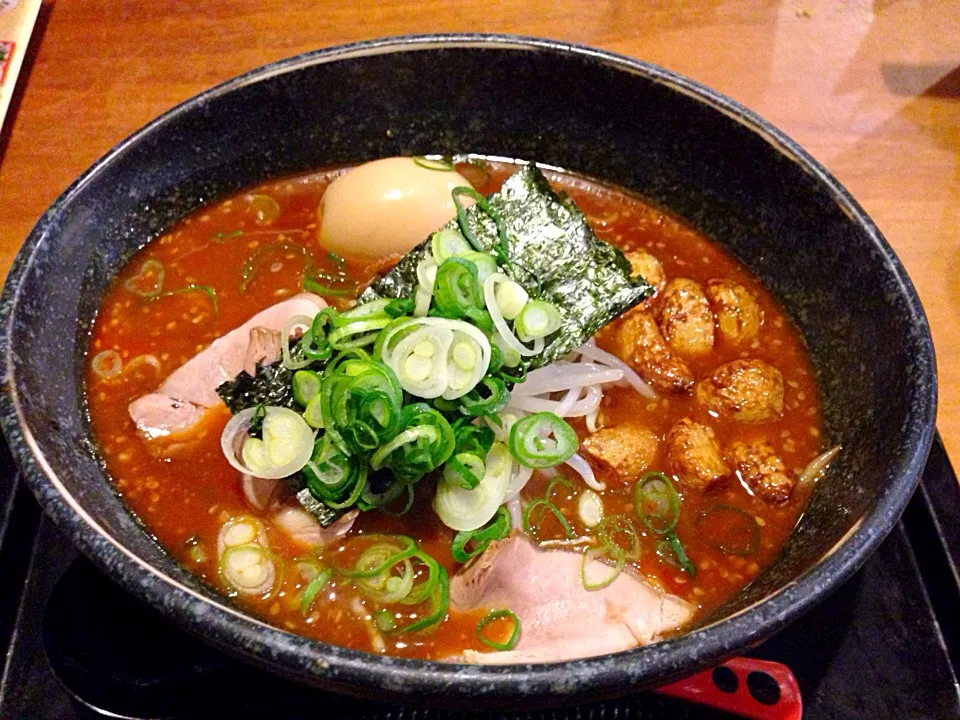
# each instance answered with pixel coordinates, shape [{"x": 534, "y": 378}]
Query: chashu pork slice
[
  {"x": 559, "y": 619},
  {"x": 180, "y": 401}
]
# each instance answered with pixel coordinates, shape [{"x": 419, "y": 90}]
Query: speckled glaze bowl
[{"x": 725, "y": 170}]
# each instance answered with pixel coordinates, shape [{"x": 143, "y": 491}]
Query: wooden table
[{"x": 871, "y": 89}]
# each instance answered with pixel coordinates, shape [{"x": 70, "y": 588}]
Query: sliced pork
[
  {"x": 180, "y": 400},
  {"x": 158, "y": 415},
  {"x": 263, "y": 349},
  {"x": 559, "y": 619},
  {"x": 303, "y": 528},
  {"x": 262, "y": 493}
]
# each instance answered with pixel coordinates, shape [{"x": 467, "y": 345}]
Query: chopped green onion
[
  {"x": 148, "y": 282},
  {"x": 537, "y": 319},
  {"x": 360, "y": 313},
  {"x": 265, "y": 209},
  {"x": 387, "y": 586},
  {"x": 423, "y": 444},
  {"x": 441, "y": 164},
  {"x": 248, "y": 569},
  {"x": 205, "y": 289},
  {"x": 313, "y": 588},
  {"x": 284, "y": 448},
  {"x": 531, "y": 443},
  {"x": 448, "y": 243},
  {"x": 531, "y": 525},
  {"x": 678, "y": 550},
  {"x": 315, "y": 286},
  {"x": 381, "y": 490},
  {"x": 332, "y": 477},
  {"x": 590, "y": 508},
  {"x": 514, "y": 638},
  {"x": 457, "y": 288},
  {"x": 559, "y": 480},
  {"x": 402, "y": 546},
  {"x": 256, "y": 260},
  {"x": 107, "y": 364},
  {"x": 511, "y": 357},
  {"x": 439, "y": 602},
  {"x": 406, "y": 488},
  {"x": 465, "y": 470},
  {"x": 360, "y": 326},
  {"x": 500, "y": 249},
  {"x": 385, "y": 621},
  {"x": 314, "y": 343},
  {"x": 422, "y": 591},
  {"x": 485, "y": 262},
  {"x": 195, "y": 549},
  {"x": 434, "y": 357},
  {"x": 393, "y": 570},
  {"x": 358, "y": 334},
  {"x": 306, "y": 386},
  {"x": 399, "y": 307},
  {"x": 314, "y": 412},
  {"x": 511, "y": 299},
  {"x": 656, "y": 502},
  {"x": 480, "y": 539},
  {"x": 612, "y": 552},
  {"x": 222, "y": 237},
  {"x": 462, "y": 509},
  {"x": 360, "y": 402},
  {"x": 256, "y": 420},
  {"x": 476, "y": 439},
  {"x": 474, "y": 404},
  {"x": 614, "y": 526},
  {"x": 287, "y": 351},
  {"x": 729, "y": 529}
]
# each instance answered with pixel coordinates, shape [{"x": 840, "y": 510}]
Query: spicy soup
[{"x": 217, "y": 268}]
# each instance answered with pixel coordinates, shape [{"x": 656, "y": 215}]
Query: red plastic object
[{"x": 755, "y": 689}]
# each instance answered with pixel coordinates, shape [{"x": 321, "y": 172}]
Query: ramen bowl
[{"x": 699, "y": 155}]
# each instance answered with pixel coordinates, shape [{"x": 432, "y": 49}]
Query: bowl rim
[{"x": 351, "y": 670}]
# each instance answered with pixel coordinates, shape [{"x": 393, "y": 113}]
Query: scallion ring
[
  {"x": 681, "y": 554},
  {"x": 729, "y": 529},
  {"x": 447, "y": 243},
  {"x": 612, "y": 552},
  {"x": 210, "y": 292},
  {"x": 107, "y": 364},
  {"x": 306, "y": 386},
  {"x": 656, "y": 502},
  {"x": 462, "y": 509},
  {"x": 531, "y": 525},
  {"x": 542, "y": 440},
  {"x": 480, "y": 539},
  {"x": 537, "y": 320},
  {"x": 514, "y": 638},
  {"x": 613, "y": 527},
  {"x": 403, "y": 546},
  {"x": 148, "y": 282},
  {"x": 440, "y": 164},
  {"x": 313, "y": 588}
]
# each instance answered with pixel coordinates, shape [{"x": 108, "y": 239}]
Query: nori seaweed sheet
[
  {"x": 271, "y": 385},
  {"x": 586, "y": 278}
]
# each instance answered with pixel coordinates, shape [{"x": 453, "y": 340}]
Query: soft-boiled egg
[{"x": 387, "y": 207}]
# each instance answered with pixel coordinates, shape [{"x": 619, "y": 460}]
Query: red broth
[{"x": 184, "y": 490}]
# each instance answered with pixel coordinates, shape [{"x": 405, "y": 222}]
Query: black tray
[{"x": 886, "y": 645}]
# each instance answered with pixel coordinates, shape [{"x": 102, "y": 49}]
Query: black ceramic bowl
[{"x": 719, "y": 166}]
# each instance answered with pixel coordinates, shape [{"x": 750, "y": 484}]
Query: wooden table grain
[{"x": 871, "y": 89}]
